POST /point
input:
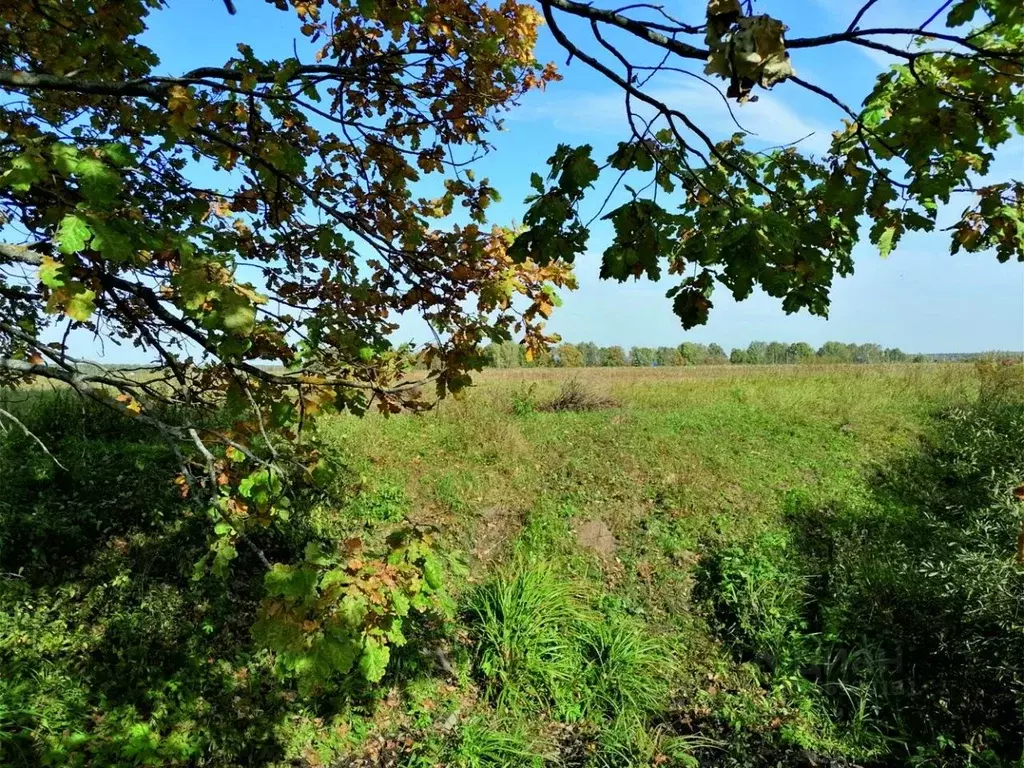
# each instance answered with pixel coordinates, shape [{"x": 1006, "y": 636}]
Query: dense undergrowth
[{"x": 749, "y": 570}]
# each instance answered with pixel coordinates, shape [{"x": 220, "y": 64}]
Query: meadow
[{"x": 700, "y": 566}]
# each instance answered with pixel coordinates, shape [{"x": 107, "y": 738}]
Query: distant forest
[{"x": 590, "y": 355}]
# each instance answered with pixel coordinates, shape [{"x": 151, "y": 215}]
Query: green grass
[
  {"x": 805, "y": 564},
  {"x": 524, "y": 621}
]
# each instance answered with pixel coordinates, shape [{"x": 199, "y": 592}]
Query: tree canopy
[
  {"x": 783, "y": 219},
  {"x": 331, "y": 179},
  {"x": 255, "y": 227}
]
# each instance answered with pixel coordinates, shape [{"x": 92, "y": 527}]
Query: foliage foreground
[
  {"x": 254, "y": 227},
  {"x": 795, "y": 567}
]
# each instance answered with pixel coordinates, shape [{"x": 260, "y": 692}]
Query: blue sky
[{"x": 919, "y": 299}]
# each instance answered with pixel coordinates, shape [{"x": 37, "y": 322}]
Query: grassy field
[{"x": 795, "y": 566}]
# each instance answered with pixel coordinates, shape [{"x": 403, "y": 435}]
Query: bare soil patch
[
  {"x": 597, "y": 537},
  {"x": 495, "y": 529}
]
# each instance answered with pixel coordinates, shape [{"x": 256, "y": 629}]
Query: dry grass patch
[{"x": 574, "y": 397}]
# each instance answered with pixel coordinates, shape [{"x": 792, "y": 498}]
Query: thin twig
[
  {"x": 212, "y": 472},
  {"x": 29, "y": 433}
]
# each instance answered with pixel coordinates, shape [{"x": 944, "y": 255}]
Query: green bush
[
  {"x": 112, "y": 476},
  {"x": 524, "y": 400},
  {"x": 938, "y": 586},
  {"x": 334, "y": 613},
  {"x": 112, "y": 654}
]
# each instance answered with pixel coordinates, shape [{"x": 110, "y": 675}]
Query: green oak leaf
[
  {"x": 111, "y": 242},
  {"x": 65, "y": 158},
  {"x": 81, "y": 302},
  {"x": 73, "y": 234},
  {"x": 962, "y": 12},
  {"x": 885, "y": 241},
  {"x": 338, "y": 652},
  {"x": 239, "y": 319},
  {"x": 24, "y": 171},
  {"x": 432, "y": 573},
  {"x": 291, "y": 581},
  {"x": 51, "y": 273},
  {"x": 119, "y": 154},
  {"x": 99, "y": 182},
  {"x": 374, "y": 661}
]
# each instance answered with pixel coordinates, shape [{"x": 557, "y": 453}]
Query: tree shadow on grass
[
  {"x": 896, "y": 617},
  {"x": 112, "y": 653},
  {"x": 916, "y": 595}
]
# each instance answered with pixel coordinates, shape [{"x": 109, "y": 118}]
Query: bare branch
[
  {"x": 856, "y": 36},
  {"x": 644, "y": 30},
  {"x": 860, "y": 14},
  {"x": 23, "y": 254}
]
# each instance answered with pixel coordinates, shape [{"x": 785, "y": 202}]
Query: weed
[
  {"x": 384, "y": 503},
  {"x": 524, "y": 400},
  {"x": 758, "y": 597},
  {"x": 451, "y": 490}
]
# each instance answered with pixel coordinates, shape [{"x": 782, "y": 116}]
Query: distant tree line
[
  {"x": 590, "y": 355},
  {"x": 777, "y": 353}
]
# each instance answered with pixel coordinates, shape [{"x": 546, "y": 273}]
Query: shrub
[
  {"x": 112, "y": 476},
  {"x": 338, "y": 612},
  {"x": 576, "y": 398},
  {"x": 918, "y": 600},
  {"x": 899, "y": 617},
  {"x": 757, "y": 595},
  {"x": 113, "y": 655},
  {"x": 1000, "y": 383}
]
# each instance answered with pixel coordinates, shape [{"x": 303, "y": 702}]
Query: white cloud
[
  {"x": 769, "y": 120},
  {"x": 906, "y": 14}
]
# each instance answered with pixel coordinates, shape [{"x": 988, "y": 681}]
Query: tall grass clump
[
  {"x": 625, "y": 681},
  {"x": 543, "y": 651},
  {"x": 625, "y": 670},
  {"x": 480, "y": 745},
  {"x": 524, "y": 620}
]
